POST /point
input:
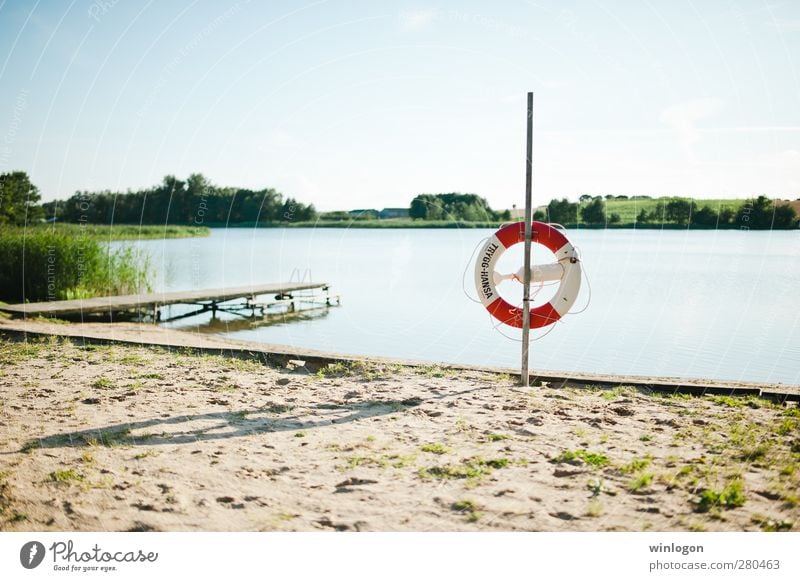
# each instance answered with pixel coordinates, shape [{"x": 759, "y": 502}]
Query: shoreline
[
  {"x": 149, "y": 335},
  {"x": 109, "y": 435},
  {"x": 151, "y": 231}
]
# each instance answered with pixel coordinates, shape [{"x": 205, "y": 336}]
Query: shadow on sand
[{"x": 186, "y": 429}]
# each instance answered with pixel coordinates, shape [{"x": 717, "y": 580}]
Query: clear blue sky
[{"x": 365, "y": 104}]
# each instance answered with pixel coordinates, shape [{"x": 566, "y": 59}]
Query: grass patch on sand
[
  {"x": 497, "y": 437},
  {"x": 469, "y": 468},
  {"x": 69, "y": 476},
  {"x": 21, "y": 352},
  {"x": 469, "y": 508},
  {"x": 640, "y": 482},
  {"x": 378, "y": 461},
  {"x": 436, "y": 371},
  {"x": 435, "y": 448},
  {"x": 636, "y": 465},
  {"x": 367, "y": 370},
  {"x": 594, "y": 459},
  {"x": 618, "y": 392},
  {"x": 103, "y": 383},
  {"x": 771, "y": 525},
  {"x": 729, "y": 496}
]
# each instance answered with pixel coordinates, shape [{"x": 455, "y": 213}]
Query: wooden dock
[{"x": 151, "y": 303}]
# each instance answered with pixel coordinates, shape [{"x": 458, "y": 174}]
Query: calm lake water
[{"x": 711, "y": 304}]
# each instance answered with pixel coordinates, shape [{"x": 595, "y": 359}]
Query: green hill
[{"x": 629, "y": 209}]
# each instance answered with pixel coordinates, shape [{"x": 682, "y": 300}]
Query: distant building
[
  {"x": 382, "y": 214},
  {"x": 364, "y": 213},
  {"x": 393, "y": 213}
]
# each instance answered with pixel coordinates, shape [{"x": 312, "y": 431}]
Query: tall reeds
[{"x": 42, "y": 263}]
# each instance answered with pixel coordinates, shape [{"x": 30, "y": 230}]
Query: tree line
[
  {"x": 194, "y": 201},
  {"x": 758, "y": 213},
  {"x": 454, "y": 206}
]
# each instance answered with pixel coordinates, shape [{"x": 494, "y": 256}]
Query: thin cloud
[
  {"x": 415, "y": 20},
  {"x": 755, "y": 129},
  {"x": 683, "y": 118},
  {"x": 787, "y": 24}
]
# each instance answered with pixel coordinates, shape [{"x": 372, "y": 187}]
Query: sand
[{"x": 120, "y": 438}]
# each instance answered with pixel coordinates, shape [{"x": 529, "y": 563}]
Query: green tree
[
  {"x": 762, "y": 214},
  {"x": 657, "y": 214},
  {"x": 642, "y": 217},
  {"x": 19, "y": 199},
  {"x": 679, "y": 210},
  {"x": 562, "y": 211},
  {"x": 705, "y": 216},
  {"x": 594, "y": 212},
  {"x": 194, "y": 201},
  {"x": 785, "y": 216},
  {"x": 452, "y": 206},
  {"x": 726, "y": 215}
]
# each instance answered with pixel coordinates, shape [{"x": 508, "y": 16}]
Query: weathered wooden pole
[{"x": 526, "y": 280}]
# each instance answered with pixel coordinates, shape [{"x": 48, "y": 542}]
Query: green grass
[
  {"x": 629, "y": 209},
  {"x": 114, "y": 438},
  {"x": 434, "y": 448},
  {"x": 730, "y": 496},
  {"x": 727, "y": 401},
  {"x": 470, "y": 508},
  {"x": 470, "y": 468},
  {"x": 337, "y": 369},
  {"x": 69, "y": 475},
  {"x": 39, "y": 263},
  {"x": 597, "y": 460},
  {"x": 771, "y": 525},
  {"x": 640, "y": 482},
  {"x": 433, "y": 371},
  {"x": 635, "y": 465},
  {"x": 103, "y": 383},
  {"x": 787, "y": 426},
  {"x": 497, "y": 437},
  {"x": 617, "y": 392},
  {"x": 356, "y": 461},
  {"x": 126, "y": 231},
  {"x": 146, "y": 454},
  {"x": 20, "y": 352}
]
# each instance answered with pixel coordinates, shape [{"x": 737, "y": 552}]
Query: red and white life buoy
[{"x": 567, "y": 270}]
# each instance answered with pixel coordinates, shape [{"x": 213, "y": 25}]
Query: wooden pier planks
[{"x": 152, "y": 300}]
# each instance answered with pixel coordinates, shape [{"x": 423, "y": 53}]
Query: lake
[{"x": 708, "y": 304}]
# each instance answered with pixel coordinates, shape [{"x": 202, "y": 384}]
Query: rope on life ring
[{"x": 567, "y": 270}]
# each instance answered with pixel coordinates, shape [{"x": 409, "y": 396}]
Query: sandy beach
[{"x": 122, "y": 438}]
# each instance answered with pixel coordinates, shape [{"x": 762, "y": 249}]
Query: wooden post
[{"x": 526, "y": 280}]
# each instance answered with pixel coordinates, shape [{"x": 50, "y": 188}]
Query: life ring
[{"x": 567, "y": 270}]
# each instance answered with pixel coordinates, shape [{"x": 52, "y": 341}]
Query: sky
[{"x": 361, "y": 104}]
